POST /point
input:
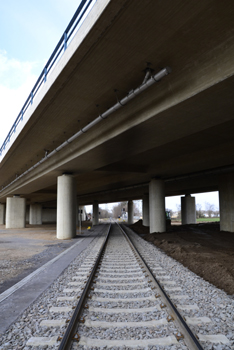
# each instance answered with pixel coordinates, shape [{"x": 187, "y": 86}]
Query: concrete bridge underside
[{"x": 179, "y": 130}]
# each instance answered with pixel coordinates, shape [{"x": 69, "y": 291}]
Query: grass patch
[{"x": 208, "y": 220}]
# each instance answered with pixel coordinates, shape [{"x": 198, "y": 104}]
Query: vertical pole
[
  {"x": 130, "y": 212},
  {"x": 146, "y": 209}
]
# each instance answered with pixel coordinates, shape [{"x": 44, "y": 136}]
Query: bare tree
[
  {"x": 121, "y": 207},
  {"x": 209, "y": 208},
  {"x": 104, "y": 213},
  {"x": 118, "y": 209},
  {"x": 178, "y": 206},
  {"x": 216, "y": 212},
  {"x": 171, "y": 212},
  {"x": 137, "y": 208},
  {"x": 199, "y": 213}
]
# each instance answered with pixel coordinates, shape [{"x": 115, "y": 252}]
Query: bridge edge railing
[{"x": 60, "y": 47}]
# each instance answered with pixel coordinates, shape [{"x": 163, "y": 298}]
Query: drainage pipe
[{"x": 132, "y": 94}]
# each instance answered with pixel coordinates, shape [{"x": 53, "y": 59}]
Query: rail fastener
[
  {"x": 76, "y": 337},
  {"x": 170, "y": 318},
  {"x": 179, "y": 336}
]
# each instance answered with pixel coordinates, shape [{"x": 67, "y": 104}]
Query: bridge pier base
[
  {"x": 95, "y": 213},
  {"x": 2, "y": 213},
  {"x": 226, "y": 202},
  {"x": 130, "y": 212},
  {"x": 188, "y": 210},
  {"x": 157, "y": 214},
  {"x": 35, "y": 214},
  {"x": 66, "y": 207},
  {"x": 146, "y": 210},
  {"x": 15, "y": 212}
]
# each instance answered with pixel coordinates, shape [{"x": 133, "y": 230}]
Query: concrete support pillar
[
  {"x": 95, "y": 213},
  {"x": 157, "y": 206},
  {"x": 226, "y": 202},
  {"x": 130, "y": 212},
  {"x": 77, "y": 212},
  {"x": 146, "y": 210},
  {"x": 66, "y": 207},
  {"x": 35, "y": 214},
  {"x": 15, "y": 212},
  {"x": 83, "y": 214},
  {"x": 188, "y": 210},
  {"x": 2, "y": 213}
]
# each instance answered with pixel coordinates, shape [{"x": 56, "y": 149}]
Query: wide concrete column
[
  {"x": 188, "y": 210},
  {"x": 157, "y": 206},
  {"x": 2, "y": 213},
  {"x": 226, "y": 202},
  {"x": 35, "y": 214},
  {"x": 15, "y": 212},
  {"x": 95, "y": 213},
  {"x": 66, "y": 207},
  {"x": 130, "y": 212},
  {"x": 146, "y": 210}
]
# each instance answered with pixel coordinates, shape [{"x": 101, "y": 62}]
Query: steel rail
[
  {"x": 70, "y": 331},
  {"x": 189, "y": 336}
]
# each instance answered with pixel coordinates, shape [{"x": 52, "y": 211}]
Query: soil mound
[{"x": 203, "y": 248}]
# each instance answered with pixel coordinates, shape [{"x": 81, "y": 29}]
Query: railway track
[{"x": 117, "y": 299}]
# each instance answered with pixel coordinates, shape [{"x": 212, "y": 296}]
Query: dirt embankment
[{"x": 201, "y": 247}]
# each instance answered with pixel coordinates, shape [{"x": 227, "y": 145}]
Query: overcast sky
[{"x": 30, "y": 31}]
